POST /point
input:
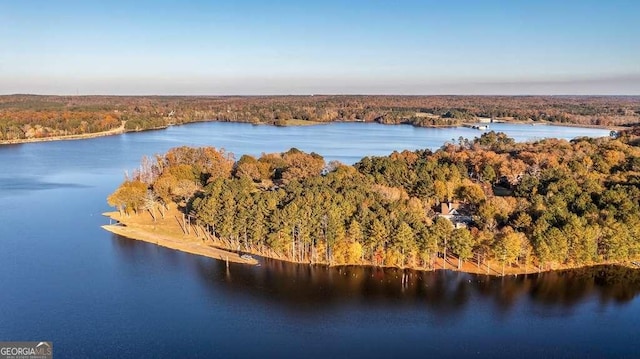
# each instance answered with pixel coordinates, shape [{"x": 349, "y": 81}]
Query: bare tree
[{"x": 150, "y": 203}]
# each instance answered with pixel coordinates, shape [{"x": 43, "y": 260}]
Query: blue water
[{"x": 94, "y": 294}]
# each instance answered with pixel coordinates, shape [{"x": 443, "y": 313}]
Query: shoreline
[
  {"x": 84, "y": 136},
  {"x": 137, "y": 228},
  {"x": 468, "y": 267},
  {"x": 564, "y": 124},
  {"x": 185, "y": 243},
  {"x": 122, "y": 130}
]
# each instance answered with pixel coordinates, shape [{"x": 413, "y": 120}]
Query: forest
[
  {"x": 34, "y": 117},
  {"x": 540, "y": 205}
]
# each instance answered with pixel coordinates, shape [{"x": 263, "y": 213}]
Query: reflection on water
[
  {"x": 310, "y": 288},
  {"x": 318, "y": 286}
]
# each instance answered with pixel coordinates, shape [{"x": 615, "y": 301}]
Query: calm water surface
[{"x": 94, "y": 294}]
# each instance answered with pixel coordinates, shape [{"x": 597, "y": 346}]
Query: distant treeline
[
  {"x": 547, "y": 204},
  {"x": 30, "y": 116}
]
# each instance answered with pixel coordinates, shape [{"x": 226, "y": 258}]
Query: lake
[{"x": 94, "y": 294}]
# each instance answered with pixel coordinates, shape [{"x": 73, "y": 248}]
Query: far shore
[
  {"x": 168, "y": 232},
  {"x": 288, "y": 123},
  {"x": 560, "y": 124},
  {"x": 296, "y": 122},
  {"x": 116, "y": 131}
]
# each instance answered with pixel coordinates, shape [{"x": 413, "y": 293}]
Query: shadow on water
[
  {"x": 443, "y": 291},
  {"x": 312, "y": 288},
  {"x": 33, "y": 184}
]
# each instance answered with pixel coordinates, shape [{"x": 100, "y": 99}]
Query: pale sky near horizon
[{"x": 252, "y": 47}]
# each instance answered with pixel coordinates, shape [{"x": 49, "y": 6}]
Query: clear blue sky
[{"x": 303, "y": 47}]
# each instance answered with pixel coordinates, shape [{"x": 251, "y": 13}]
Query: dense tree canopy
[{"x": 549, "y": 204}]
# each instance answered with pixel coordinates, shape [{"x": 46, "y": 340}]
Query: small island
[{"x": 488, "y": 205}]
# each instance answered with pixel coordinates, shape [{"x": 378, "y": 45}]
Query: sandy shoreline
[
  {"x": 116, "y": 131},
  {"x": 168, "y": 233},
  {"x": 184, "y": 243}
]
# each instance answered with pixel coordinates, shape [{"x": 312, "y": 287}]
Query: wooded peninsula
[
  {"x": 31, "y": 118},
  {"x": 487, "y": 205}
]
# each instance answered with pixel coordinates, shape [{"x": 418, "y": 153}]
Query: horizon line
[{"x": 324, "y": 94}]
